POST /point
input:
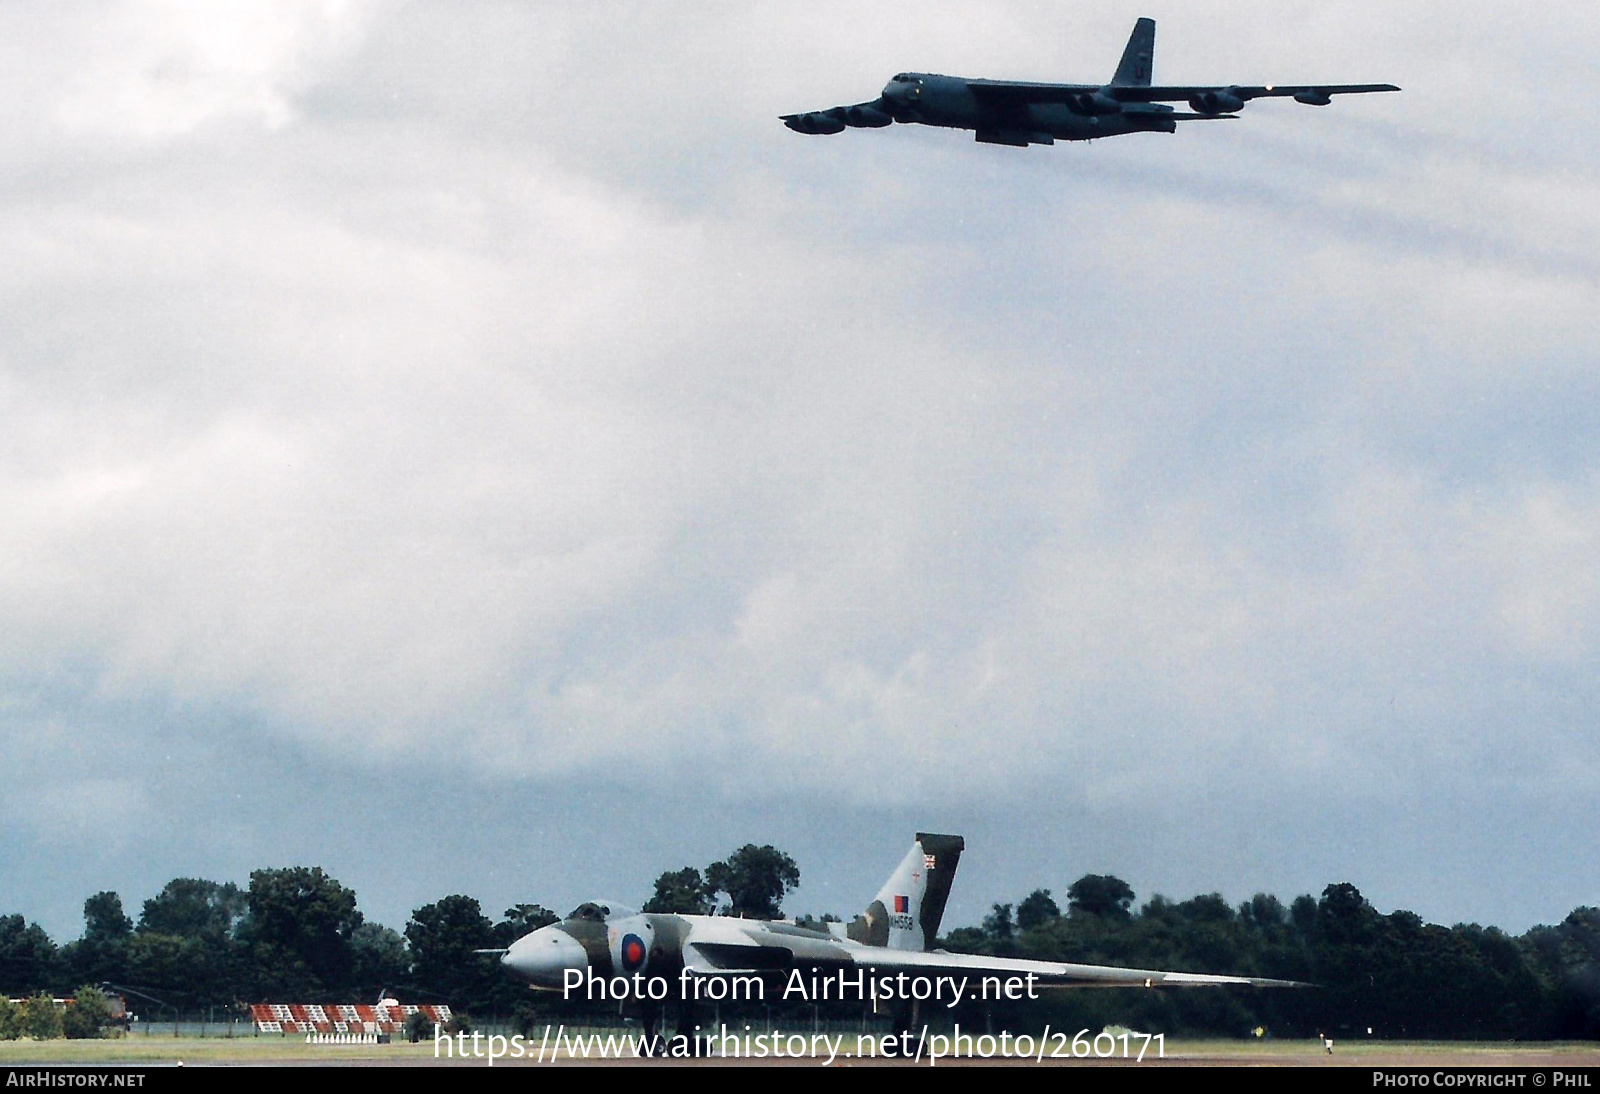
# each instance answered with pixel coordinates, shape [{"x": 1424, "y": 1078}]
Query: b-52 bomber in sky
[
  {"x": 891, "y": 943},
  {"x": 1019, "y": 114}
]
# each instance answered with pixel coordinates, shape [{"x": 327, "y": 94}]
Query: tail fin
[
  {"x": 906, "y": 914},
  {"x": 1139, "y": 58}
]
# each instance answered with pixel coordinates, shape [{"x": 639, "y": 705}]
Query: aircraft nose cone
[
  {"x": 899, "y": 100},
  {"x": 543, "y": 957}
]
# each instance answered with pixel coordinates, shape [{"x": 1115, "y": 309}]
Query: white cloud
[
  {"x": 159, "y": 69},
  {"x": 553, "y": 405}
]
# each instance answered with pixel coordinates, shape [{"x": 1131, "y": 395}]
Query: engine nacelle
[
  {"x": 816, "y": 123},
  {"x": 1217, "y": 102},
  {"x": 1093, "y": 102},
  {"x": 866, "y": 117}
]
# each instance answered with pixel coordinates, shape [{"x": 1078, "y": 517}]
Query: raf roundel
[{"x": 633, "y": 953}]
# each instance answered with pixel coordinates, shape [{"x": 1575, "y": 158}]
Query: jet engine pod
[
  {"x": 1217, "y": 102},
  {"x": 1093, "y": 102},
  {"x": 816, "y": 123},
  {"x": 866, "y": 117}
]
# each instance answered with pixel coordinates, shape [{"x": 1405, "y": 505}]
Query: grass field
[{"x": 288, "y": 1050}]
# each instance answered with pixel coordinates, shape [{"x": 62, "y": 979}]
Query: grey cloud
[{"x": 504, "y": 398}]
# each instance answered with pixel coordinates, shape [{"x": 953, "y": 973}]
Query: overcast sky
[{"x": 476, "y": 448}]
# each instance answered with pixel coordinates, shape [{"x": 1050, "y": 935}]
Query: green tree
[
  {"x": 1303, "y": 914},
  {"x": 186, "y": 947},
  {"x": 39, "y": 1017},
  {"x": 756, "y": 879},
  {"x": 1567, "y": 959},
  {"x": 419, "y": 1027},
  {"x": 29, "y": 961},
  {"x": 101, "y": 954},
  {"x": 1344, "y": 914},
  {"x": 1100, "y": 895},
  {"x": 1036, "y": 909},
  {"x": 10, "y": 1020},
  {"x": 189, "y": 907},
  {"x": 379, "y": 959},
  {"x": 999, "y": 925},
  {"x": 683, "y": 892},
  {"x": 443, "y": 936},
  {"x": 1263, "y": 911},
  {"x": 184, "y": 971},
  {"x": 521, "y": 919},
  {"x": 104, "y": 920},
  {"x": 1207, "y": 908},
  {"x": 87, "y": 1014},
  {"x": 299, "y": 932}
]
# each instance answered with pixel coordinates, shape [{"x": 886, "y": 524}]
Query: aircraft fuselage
[
  {"x": 1018, "y": 112},
  {"x": 948, "y": 102}
]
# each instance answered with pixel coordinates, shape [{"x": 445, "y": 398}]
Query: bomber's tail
[
  {"x": 1139, "y": 58},
  {"x": 907, "y": 911}
]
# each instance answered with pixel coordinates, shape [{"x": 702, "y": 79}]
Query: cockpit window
[{"x": 601, "y": 910}]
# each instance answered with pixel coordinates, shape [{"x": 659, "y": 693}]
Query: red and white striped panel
[{"x": 341, "y": 1017}]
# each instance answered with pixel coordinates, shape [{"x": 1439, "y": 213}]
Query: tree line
[
  {"x": 296, "y": 935},
  {"x": 293, "y": 935},
  {"x": 1392, "y": 974}
]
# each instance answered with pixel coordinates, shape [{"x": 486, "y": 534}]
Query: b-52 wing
[{"x": 1014, "y": 93}]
